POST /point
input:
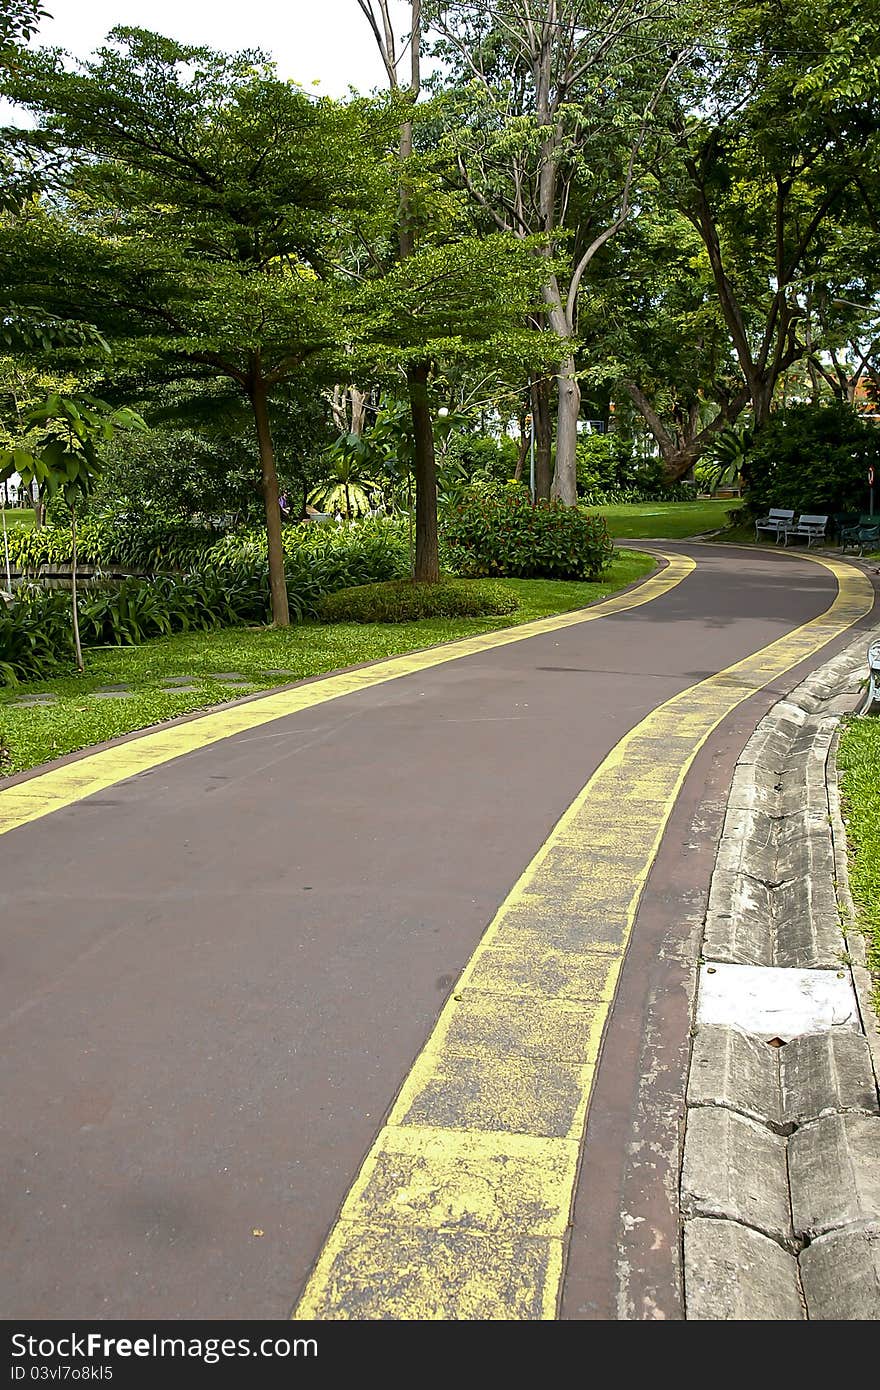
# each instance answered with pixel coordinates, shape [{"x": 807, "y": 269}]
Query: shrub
[
  {"x": 229, "y": 585},
  {"x": 319, "y": 559},
  {"x": 813, "y": 458},
  {"x": 483, "y": 456},
  {"x": 403, "y": 601},
  {"x": 137, "y": 542},
  {"x": 505, "y": 535},
  {"x": 35, "y": 635},
  {"x": 609, "y": 473}
]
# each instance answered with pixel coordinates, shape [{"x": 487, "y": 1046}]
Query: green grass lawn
[
  {"x": 35, "y": 734},
  {"x": 19, "y": 516},
  {"x": 666, "y": 520},
  {"x": 859, "y": 762}
]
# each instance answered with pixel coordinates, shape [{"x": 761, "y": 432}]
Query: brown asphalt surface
[{"x": 216, "y": 976}]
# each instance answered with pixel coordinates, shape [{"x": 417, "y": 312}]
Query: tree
[
  {"x": 769, "y": 161},
  {"x": 552, "y": 115},
  {"x": 66, "y": 461},
  {"x": 208, "y": 204},
  {"x": 19, "y": 20},
  {"x": 452, "y": 295},
  {"x": 653, "y": 332}
]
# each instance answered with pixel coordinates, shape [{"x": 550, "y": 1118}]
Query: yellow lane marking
[
  {"x": 461, "y": 1208},
  {"x": 62, "y": 786}
]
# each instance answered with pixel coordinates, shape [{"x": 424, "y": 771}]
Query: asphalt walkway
[{"x": 229, "y": 944}]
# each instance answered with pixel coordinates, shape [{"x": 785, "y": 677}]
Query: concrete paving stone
[
  {"x": 111, "y": 693},
  {"x": 178, "y": 681},
  {"x": 278, "y": 671},
  {"x": 46, "y": 699},
  {"x": 826, "y": 1072},
  {"x": 750, "y": 789},
  {"x": 738, "y": 920},
  {"x": 800, "y": 823},
  {"x": 734, "y": 1274},
  {"x": 735, "y": 1168},
  {"x": 748, "y": 847},
  {"x": 809, "y": 938},
  {"x": 775, "y": 1001},
  {"x": 730, "y": 1068},
  {"x": 772, "y": 751},
  {"x": 834, "y": 1166},
  {"x": 841, "y": 704},
  {"x": 229, "y": 677},
  {"x": 840, "y": 1273}
]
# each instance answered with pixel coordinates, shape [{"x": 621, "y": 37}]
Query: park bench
[
  {"x": 776, "y": 522},
  {"x": 809, "y": 528},
  {"x": 866, "y": 531},
  {"x": 872, "y": 699}
]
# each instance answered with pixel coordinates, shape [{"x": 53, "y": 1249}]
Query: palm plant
[{"x": 349, "y": 487}]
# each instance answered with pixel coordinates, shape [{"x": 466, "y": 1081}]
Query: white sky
[{"x": 328, "y": 41}]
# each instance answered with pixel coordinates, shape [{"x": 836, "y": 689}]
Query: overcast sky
[{"x": 326, "y": 41}]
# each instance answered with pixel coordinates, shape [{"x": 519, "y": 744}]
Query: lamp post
[{"x": 530, "y": 423}]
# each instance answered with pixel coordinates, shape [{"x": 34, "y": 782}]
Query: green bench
[{"x": 866, "y": 531}]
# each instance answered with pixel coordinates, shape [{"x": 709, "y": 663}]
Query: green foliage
[
  {"x": 348, "y": 488},
  {"x": 403, "y": 601},
  {"x": 35, "y": 636},
  {"x": 504, "y": 534},
  {"x": 859, "y": 762},
  {"x": 321, "y": 558},
  {"x": 65, "y": 460},
  {"x": 226, "y": 585},
  {"x": 482, "y": 456},
  {"x": 35, "y": 639},
  {"x": 608, "y": 471},
  {"x": 724, "y": 460},
  {"x": 812, "y": 458},
  {"x": 145, "y": 542}
]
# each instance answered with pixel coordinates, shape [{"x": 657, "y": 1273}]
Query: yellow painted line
[
  {"x": 63, "y": 786},
  {"x": 461, "y": 1208}
]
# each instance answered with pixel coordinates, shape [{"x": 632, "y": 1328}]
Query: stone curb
[{"x": 780, "y": 1182}]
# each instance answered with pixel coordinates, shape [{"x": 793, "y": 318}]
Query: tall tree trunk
[
  {"x": 543, "y": 426},
  {"x": 424, "y": 463},
  {"x": 680, "y": 454},
  {"x": 269, "y": 482},
  {"x": 76, "y": 642},
  {"x": 565, "y": 477},
  {"x": 427, "y": 564},
  {"x": 762, "y": 398},
  {"x": 358, "y": 410}
]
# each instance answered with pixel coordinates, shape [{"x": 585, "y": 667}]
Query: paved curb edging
[{"x": 780, "y": 1181}]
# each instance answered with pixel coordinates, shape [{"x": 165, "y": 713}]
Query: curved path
[{"x": 226, "y": 946}]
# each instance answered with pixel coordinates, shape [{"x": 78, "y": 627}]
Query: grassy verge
[
  {"x": 666, "y": 520},
  {"x": 859, "y": 762},
  {"x": 30, "y": 735}
]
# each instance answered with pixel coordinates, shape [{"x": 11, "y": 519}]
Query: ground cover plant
[{"x": 859, "y": 763}]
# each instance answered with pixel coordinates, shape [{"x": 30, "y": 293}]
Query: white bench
[
  {"x": 776, "y": 522},
  {"x": 809, "y": 528},
  {"x": 872, "y": 698}
]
